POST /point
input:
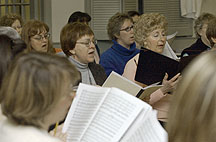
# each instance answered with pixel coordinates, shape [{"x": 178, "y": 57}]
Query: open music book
[
  {"x": 118, "y": 81},
  {"x": 100, "y": 114},
  {"x": 152, "y": 66}
]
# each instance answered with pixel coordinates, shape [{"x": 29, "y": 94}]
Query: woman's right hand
[{"x": 169, "y": 85}]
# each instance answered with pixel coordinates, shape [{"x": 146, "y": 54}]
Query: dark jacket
[
  {"x": 196, "y": 48},
  {"x": 98, "y": 73}
]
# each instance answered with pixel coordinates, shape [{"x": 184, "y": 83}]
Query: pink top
[{"x": 158, "y": 100}]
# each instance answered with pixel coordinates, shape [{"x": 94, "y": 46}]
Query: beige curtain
[{"x": 191, "y": 8}]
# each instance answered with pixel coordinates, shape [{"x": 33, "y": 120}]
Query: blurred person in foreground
[
  {"x": 36, "y": 92},
  {"x": 192, "y": 114}
]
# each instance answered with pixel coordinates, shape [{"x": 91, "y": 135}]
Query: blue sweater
[{"x": 116, "y": 57}]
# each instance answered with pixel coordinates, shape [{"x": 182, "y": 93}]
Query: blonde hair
[
  {"x": 192, "y": 115},
  {"x": 34, "y": 84},
  {"x": 32, "y": 28},
  {"x": 148, "y": 23}
]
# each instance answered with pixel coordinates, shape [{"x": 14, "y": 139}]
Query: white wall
[
  {"x": 209, "y": 6},
  {"x": 60, "y": 12}
]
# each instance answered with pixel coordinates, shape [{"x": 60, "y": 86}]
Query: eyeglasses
[
  {"x": 41, "y": 37},
  {"x": 88, "y": 43},
  {"x": 128, "y": 29}
]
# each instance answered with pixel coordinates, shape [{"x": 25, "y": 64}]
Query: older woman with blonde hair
[
  {"x": 150, "y": 32},
  {"x": 192, "y": 115},
  {"x": 36, "y": 92},
  {"x": 36, "y": 35}
]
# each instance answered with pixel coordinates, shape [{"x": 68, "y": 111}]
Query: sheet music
[
  {"x": 102, "y": 114},
  {"x": 149, "y": 130},
  {"x": 83, "y": 107},
  {"x": 113, "y": 118}
]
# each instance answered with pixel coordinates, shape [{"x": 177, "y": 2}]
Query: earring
[{"x": 144, "y": 44}]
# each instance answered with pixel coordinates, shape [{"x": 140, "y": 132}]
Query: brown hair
[
  {"x": 192, "y": 115},
  {"x": 211, "y": 31},
  {"x": 115, "y": 23},
  {"x": 32, "y": 28},
  {"x": 34, "y": 84},
  {"x": 9, "y": 19},
  {"x": 70, "y": 33}
]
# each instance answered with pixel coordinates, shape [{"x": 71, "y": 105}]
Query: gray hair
[{"x": 10, "y": 32}]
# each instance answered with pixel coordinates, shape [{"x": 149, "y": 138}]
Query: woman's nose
[{"x": 92, "y": 45}]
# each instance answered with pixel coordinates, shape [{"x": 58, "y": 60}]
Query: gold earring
[{"x": 145, "y": 43}]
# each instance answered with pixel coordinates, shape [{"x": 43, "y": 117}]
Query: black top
[{"x": 196, "y": 48}]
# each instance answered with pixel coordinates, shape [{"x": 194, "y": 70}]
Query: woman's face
[
  {"x": 39, "y": 42},
  {"x": 156, "y": 40},
  {"x": 84, "y": 49},
  {"x": 126, "y": 36},
  {"x": 17, "y": 26}
]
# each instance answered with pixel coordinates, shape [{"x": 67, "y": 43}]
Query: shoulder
[
  {"x": 107, "y": 53},
  {"x": 61, "y": 53},
  {"x": 14, "y": 133},
  {"x": 134, "y": 60}
]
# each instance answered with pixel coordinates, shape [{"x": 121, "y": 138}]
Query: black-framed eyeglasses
[
  {"x": 41, "y": 37},
  {"x": 128, "y": 29},
  {"x": 88, "y": 42}
]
